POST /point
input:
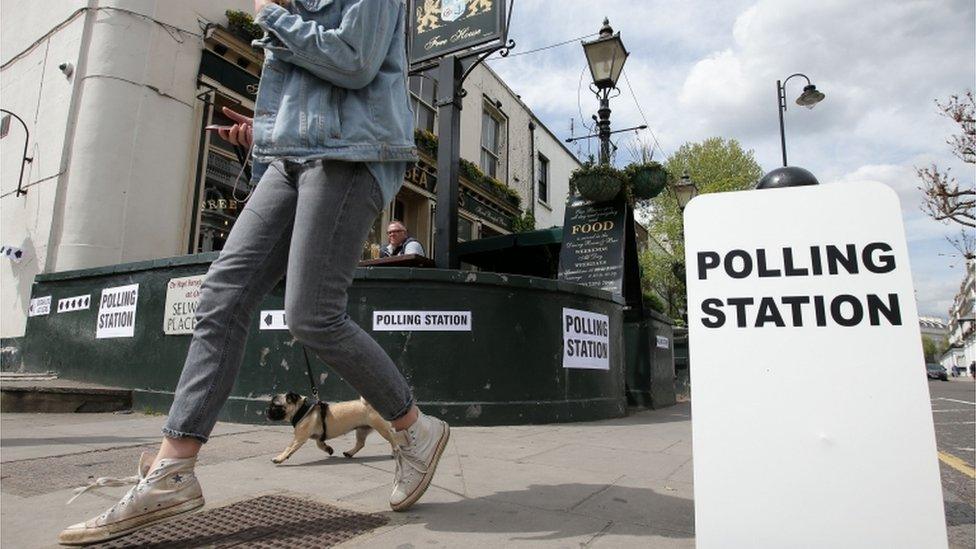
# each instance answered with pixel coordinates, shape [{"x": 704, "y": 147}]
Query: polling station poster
[
  {"x": 586, "y": 339},
  {"x": 117, "y": 312},
  {"x": 421, "y": 321},
  {"x": 811, "y": 420},
  {"x": 182, "y": 296}
]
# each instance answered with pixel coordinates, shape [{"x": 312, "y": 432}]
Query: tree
[
  {"x": 944, "y": 199},
  {"x": 930, "y": 349},
  {"x": 715, "y": 165}
]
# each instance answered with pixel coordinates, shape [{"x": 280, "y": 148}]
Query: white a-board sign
[{"x": 812, "y": 425}]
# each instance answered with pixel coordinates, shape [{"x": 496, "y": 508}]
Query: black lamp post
[
  {"x": 606, "y": 56},
  {"x": 809, "y": 98},
  {"x": 684, "y": 190},
  {"x": 26, "y": 159}
]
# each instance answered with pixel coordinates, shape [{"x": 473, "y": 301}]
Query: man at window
[{"x": 401, "y": 242}]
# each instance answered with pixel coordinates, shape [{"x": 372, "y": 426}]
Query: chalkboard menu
[
  {"x": 441, "y": 27},
  {"x": 599, "y": 250},
  {"x": 593, "y": 244}
]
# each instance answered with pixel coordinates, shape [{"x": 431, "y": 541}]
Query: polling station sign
[
  {"x": 117, "y": 312},
  {"x": 182, "y": 296},
  {"x": 422, "y": 321},
  {"x": 811, "y": 416},
  {"x": 586, "y": 339}
]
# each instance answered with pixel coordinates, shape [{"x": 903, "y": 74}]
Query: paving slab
[{"x": 566, "y": 485}]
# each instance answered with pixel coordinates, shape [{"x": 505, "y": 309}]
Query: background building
[
  {"x": 962, "y": 324},
  {"x": 934, "y": 328},
  {"x": 115, "y": 96}
]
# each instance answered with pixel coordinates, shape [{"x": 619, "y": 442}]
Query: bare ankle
[
  {"x": 405, "y": 421},
  {"x": 177, "y": 448}
]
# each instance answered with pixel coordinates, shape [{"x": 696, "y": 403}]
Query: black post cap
[{"x": 790, "y": 176}]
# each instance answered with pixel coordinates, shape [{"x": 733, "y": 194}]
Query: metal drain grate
[{"x": 267, "y": 521}]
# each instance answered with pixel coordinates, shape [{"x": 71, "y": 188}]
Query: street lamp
[
  {"x": 809, "y": 98},
  {"x": 606, "y": 56},
  {"x": 684, "y": 190}
]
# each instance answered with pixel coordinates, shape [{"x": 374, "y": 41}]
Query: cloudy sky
[{"x": 709, "y": 68}]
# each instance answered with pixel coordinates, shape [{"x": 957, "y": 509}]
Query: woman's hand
[{"x": 241, "y": 133}]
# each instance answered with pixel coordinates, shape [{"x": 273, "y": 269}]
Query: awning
[{"x": 533, "y": 253}]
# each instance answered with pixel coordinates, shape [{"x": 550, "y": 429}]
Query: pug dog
[{"x": 340, "y": 418}]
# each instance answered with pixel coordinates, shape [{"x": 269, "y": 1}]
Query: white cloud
[{"x": 702, "y": 69}]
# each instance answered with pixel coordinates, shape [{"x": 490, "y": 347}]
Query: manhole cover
[{"x": 267, "y": 521}]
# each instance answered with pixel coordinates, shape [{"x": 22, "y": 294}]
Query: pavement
[{"x": 615, "y": 483}]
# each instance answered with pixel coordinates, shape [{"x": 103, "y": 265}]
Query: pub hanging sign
[{"x": 442, "y": 27}]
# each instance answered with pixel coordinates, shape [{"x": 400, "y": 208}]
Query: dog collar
[{"x": 300, "y": 413}]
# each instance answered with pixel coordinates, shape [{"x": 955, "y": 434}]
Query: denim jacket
[{"x": 333, "y": 83}]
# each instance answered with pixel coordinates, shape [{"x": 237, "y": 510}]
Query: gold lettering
[
  {"x": 465, "y": 33},
  {"x": 596, "y": 226},
  {"x": 434, "y": 42}
]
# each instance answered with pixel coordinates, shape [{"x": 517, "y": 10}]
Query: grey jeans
[{"x": 310, "y": 219}]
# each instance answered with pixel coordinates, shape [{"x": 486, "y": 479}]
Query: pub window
[
  {"x": 224, "y": 187},
  {"x": 465, "y": 229},
  {"x": 543, "y": 178},
  {"x": 374, "y": 241},
  {"x": 228, "y": 77},
  {"x": 398, "y": 209},
  {"x": 491, "y": 125},
  {"x": 423, "y": 96},
  {"x": 487, "y": 232}
]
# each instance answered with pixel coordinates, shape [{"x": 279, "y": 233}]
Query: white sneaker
[
  {"x": 168, "y": 490},
  {"x": 418, "y": 449}
]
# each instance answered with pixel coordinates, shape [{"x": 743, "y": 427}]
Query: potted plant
[
  {"x": 646, "y": 179},
  {"x": 596, "y": 182},
  {"x": 426, "y": 142},
  {"x": 242, "y": 25}
]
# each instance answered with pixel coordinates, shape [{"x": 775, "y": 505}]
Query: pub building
[
  {"x": 513, "y": 156},
  {"x": 124, "y": 171},
  {"x": 125, "y": 189}
]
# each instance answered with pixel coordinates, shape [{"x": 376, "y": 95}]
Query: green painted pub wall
[
  {"x": 507, "y": 370},
  {"x": 649, "y": 362}
]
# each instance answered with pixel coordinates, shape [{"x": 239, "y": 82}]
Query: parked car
[{"x": 936, "y": 371}]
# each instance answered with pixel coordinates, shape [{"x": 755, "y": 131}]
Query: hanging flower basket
[
  {"x": 646, "y": 180},
  {"x": 597, "y": 183}
]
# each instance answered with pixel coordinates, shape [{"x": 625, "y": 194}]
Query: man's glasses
[{"x": 395, "y": 231}]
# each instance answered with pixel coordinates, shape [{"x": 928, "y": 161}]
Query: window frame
[
  {"x": 501, "y": 124},
  {"x": 210, "y": 87},
  {"x": 544, "y": 178},
  {"x": 424, "y": 82}
]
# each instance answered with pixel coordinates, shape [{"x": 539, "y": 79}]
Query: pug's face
[{"x": 283, "y": 406}]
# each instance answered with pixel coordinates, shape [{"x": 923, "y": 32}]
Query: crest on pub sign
[{"x": 441, "y": 27}]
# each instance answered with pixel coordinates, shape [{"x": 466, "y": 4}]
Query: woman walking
[{"x": 332, "y": 136}]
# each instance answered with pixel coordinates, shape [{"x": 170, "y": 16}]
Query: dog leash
[
  {"x": 308, "y": 369},
  {"x": 315, "y": 394}
]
